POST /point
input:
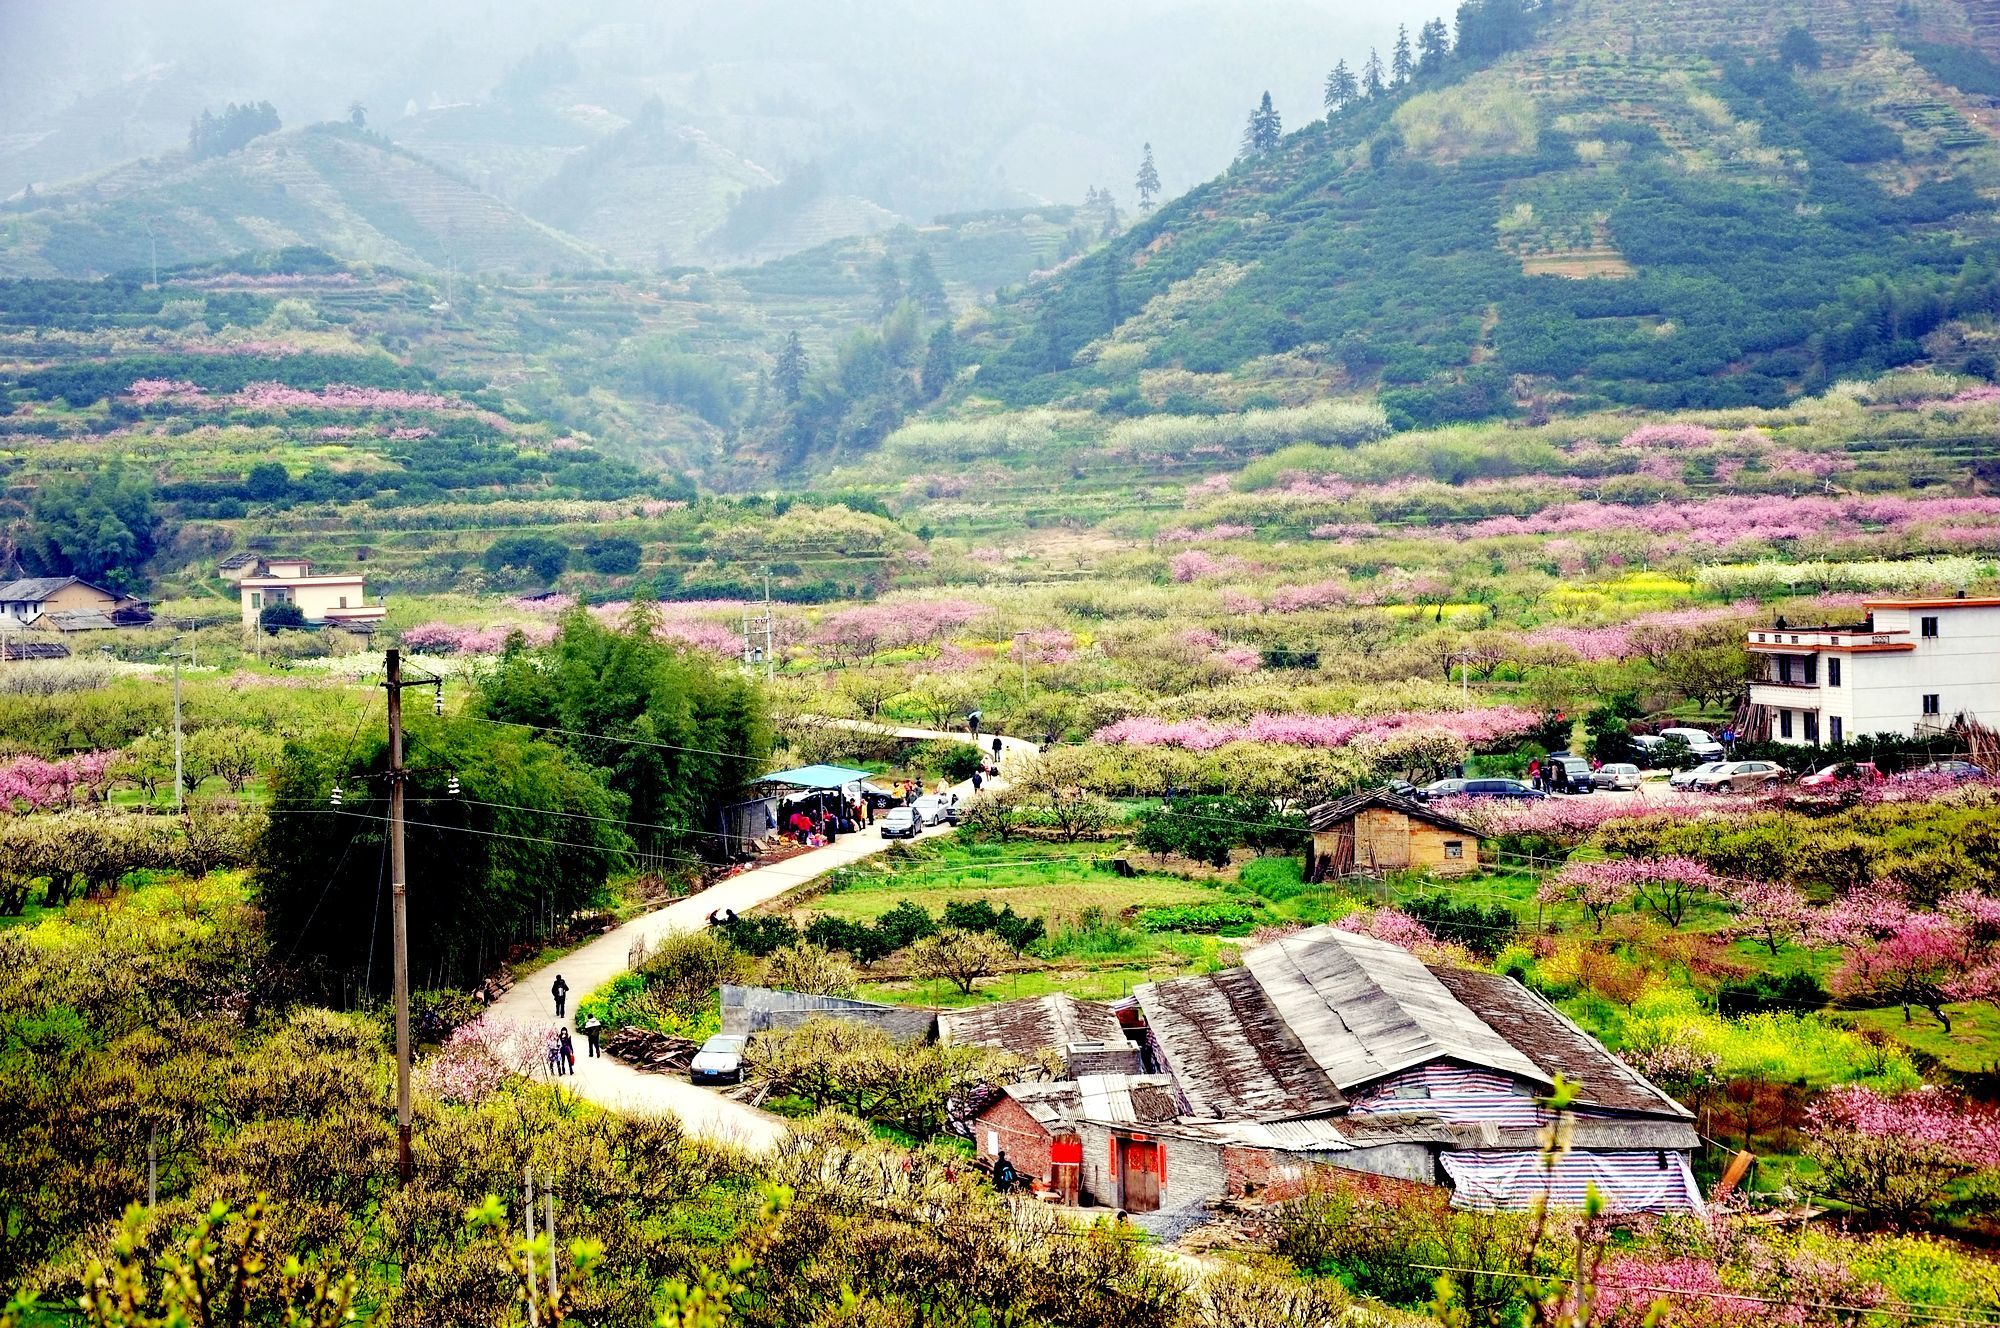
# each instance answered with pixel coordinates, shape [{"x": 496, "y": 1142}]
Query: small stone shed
[{"x": 1383, "y": 831}]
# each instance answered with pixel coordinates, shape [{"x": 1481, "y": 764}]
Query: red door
[{"x": 1139, "y": 1179}]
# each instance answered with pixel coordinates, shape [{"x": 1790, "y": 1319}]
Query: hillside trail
[{"x": 612, "y": 1083}]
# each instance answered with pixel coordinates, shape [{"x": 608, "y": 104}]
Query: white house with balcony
[
  {"x": 324, "y": 599},
  {"x": 1914, "y": 666}
]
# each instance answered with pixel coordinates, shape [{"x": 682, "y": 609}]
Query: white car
[
  {"x": 1620, "y": 776},
  {"x": 1686, "y": 778},
  {"x": 931, "y": 809},
  {"x": 720, "y": 1060},
  {"x": 1701, "y": 742}
]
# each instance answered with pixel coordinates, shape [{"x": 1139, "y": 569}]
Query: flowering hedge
[
  {"x": 1927, "y": 1115},
  {"x": 1477, "y": 728},
  {"x": 437, "y": 638}
]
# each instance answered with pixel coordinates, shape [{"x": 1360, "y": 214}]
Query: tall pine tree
[
  {"x": 888, "y": 287},
  {"x": 940, "y": 362},
  {"x": 925, "y": 287},
  {"x": 1264, "y": 132},
  {"x": 1433, "y": 48},
  {"x": 1371, "y": 75},
  {"x": 1400, "y": 64},
  {"x": 1148, "y": 183},
  {"x": 789, "y": 373},
  {"x": 1341, "y": 89}
]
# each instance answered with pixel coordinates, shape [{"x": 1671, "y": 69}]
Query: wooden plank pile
[{"x": 645, "y": 1049}]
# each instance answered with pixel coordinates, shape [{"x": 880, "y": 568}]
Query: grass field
[{"x": 1973, "y": 1045}]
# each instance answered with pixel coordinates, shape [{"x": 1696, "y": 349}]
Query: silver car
[
  {"x": 720, "y": 1060},
  {"x": 1739, "y": 776},
  {"x": 1686, "y": 778},
  {"x": 1622, "y": 777}
]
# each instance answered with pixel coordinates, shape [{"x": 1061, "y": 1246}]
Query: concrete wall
[
  {"x": 315, "y": 600},
  {"x": 1194, "y": 1173}
]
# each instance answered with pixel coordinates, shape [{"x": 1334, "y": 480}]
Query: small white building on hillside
[
  {"x": 1912, "y": 667},
  {"x": 336, "y": 599}
]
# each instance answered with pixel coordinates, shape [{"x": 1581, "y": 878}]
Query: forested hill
[{"x": 1583, "y": 202}]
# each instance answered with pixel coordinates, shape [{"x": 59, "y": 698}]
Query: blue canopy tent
[{"x": 820, "y": 793}]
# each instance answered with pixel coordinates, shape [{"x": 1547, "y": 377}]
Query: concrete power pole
[{"x": 398, "y": 879}]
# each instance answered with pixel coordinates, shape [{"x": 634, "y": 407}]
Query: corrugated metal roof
[
  {"x": 1027, "y": 1026},
  {"x": 1539, "y": 1030},
  {"x": 1364, "y": 1008},
  {"x": 1111, "y": 1099},
  {"x": 1230, "y": 1052}
]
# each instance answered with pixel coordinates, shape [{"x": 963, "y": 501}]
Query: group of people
[
  {"x": 1553, "y": 776},
  {"x": 559, "y": 1056}
]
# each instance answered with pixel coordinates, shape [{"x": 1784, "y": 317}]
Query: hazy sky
[{"x": 1036, "y": 80}]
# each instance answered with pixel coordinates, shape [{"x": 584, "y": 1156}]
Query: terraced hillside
[
  {"x": 326, "y": 185},
  {"x": 1693, "y": 205}
]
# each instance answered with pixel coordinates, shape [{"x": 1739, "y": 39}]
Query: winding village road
[{"x": 612, "y": 1083}]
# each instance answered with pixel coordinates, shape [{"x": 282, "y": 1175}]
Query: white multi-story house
[
  {"x": 1913, "y": 667},
  {"x": 339, "y": 599}
]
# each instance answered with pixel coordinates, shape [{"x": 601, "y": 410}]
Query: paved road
[{"x": 614, "y": 1084}]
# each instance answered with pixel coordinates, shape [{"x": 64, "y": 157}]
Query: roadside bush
[
  {"x": 864, "y": 942},
  {"x": 1766, "y": 991},
  {"x": 905, "y": 924},
  {"x": 980, "y": 916},
  {"x": 685, "y": 969},
  {"x": 761, "y": 933}
]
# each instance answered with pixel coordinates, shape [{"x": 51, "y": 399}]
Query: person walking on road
[
  {"x": 593, "y": 1029},
  {"x": 552, "y": 1054},
  {"x": 560, "y": 990},
  {"x": 567, "y": 1049},
  {"x": 977, "y": 780}
]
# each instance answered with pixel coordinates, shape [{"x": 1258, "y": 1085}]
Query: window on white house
[
  {"x": 1812, "y": 727},
  {"x": 1930, "y": 629},
  {"x": 343, "y": 601},
  {"x": 1454, "y": 848},
  {"x": 1784, "y": 723},
  {"x": 1833, "y": 673},
  {"x": 1930, "y": 703},
  {"x": 1784, "y": 668},
  {"x": 1812, "y": 670},
  {"x": 1834, "y": 729}
]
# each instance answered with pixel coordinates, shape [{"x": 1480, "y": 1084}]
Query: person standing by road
[
  {"x": 560, "y": 990},
  {"x": 593, "y": 1029},
  {"x": 566, "y": 1048}
]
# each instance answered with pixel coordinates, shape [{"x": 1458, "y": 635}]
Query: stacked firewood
[{"x": 648, "y": 1050}]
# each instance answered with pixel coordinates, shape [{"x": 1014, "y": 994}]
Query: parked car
[
  {"x": 1648, "y": 743},
  {"x": 1441, "y": 788},
  {"x": 880, "y": 798},
  {"x": 1684, "y": 779},
  {"x": 1620, "y": 776},
  {"x": 1570, "y": 774},
  {"x": 1402, "y": 788},
  {"x": 1500, "y": 788},
  {"x": 720, "y": 1060},
  {"x": 1860, "y": 772},
  {"x": 1700, "y": 741},
  {"x": 1950, "y": 770},
  {"x": 1739, "y": 776},
  {"x": 900, "y": 823},
  {"x": 932, "y": 809}
]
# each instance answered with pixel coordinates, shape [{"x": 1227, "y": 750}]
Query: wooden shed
[{"x": 1384, "y": 831}]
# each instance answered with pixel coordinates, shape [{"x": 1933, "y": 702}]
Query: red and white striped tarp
[{"x": 1630, "y": 1182}]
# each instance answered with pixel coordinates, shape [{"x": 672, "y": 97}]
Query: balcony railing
[{"x": 1811, "y": 639}]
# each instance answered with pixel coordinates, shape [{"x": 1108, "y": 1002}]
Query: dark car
[
  {"x": 900, "y": 823},
  {"x": 1571, "y": 774},
  {"x": 1441, "y": 788},
  {"x": 1500, "y": 788},
  {"x": 1952, "y": 770}
]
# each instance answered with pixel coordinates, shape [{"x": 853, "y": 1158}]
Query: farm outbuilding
[
  {"x": 1383, "y": 831},
  {"x": 1334, "y": 1049}
]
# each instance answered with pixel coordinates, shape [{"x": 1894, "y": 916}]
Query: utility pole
[
  {"x": 180, "y": 785},
  {"x": 750, "y": 627},
  {"x": 399, "y": 906}
]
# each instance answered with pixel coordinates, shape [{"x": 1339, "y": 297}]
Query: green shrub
[
  {"x": 762, "y": 933},
  {"x": 1206, "y": 918},
  {"x": 1482, "y": 929}
]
